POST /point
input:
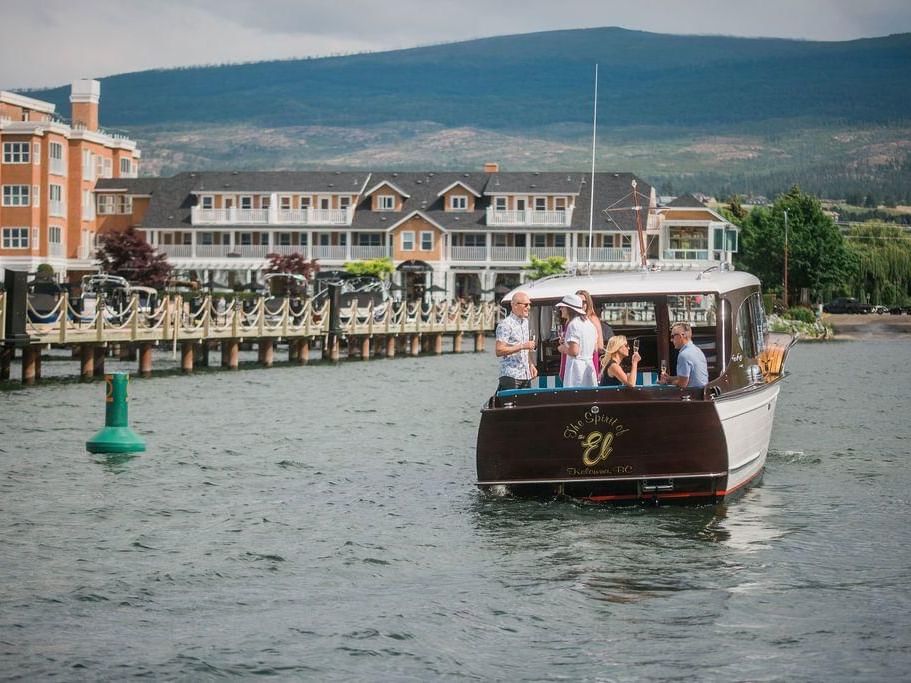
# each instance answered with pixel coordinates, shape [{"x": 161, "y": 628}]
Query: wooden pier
[{"x": 186, "y": 327}]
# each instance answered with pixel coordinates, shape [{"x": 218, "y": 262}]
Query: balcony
[
  {"x": 235, "y": 216},
  {"x": 229, "y": 216},
  {"x": 550, "y": 219},
  {"x": 524, "y": 254},
  {"x": 260, "y": 251}
]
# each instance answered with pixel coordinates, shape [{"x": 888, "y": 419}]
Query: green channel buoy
[{"x": 116, "y": 437}]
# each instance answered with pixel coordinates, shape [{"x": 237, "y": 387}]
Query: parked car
[
  {"x": 880, "y": 309},
  {"x": 898, "y": 310},
  {"x": 847, "y": 304}
]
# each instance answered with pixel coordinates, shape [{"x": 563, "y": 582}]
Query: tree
[
  {"x": 884, "y": 263},
  {"x": 128, "y": 255},
  {"x": 292, "y": 263},
  {"x": 377, "y": 267},
  {"x": 552, "y": 265},
  {"x": 818, "y": 257}
]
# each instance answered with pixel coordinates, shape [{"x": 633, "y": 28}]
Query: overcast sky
[{"x": 52, "y": 42}]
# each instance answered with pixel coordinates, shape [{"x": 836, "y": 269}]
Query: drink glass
[
  {"x": 635, "y": 346},
  {"x": 664, "y": 367}
]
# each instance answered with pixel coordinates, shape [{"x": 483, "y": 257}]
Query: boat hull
[{"x": 625, "y": 445}]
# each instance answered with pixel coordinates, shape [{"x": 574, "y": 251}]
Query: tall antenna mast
[{"x": 591, "y": 187}]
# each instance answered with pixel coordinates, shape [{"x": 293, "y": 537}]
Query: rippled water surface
[{"x": 321, "y": 523}]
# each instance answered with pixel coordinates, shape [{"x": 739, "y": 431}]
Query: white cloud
[{"x": 52, "y": 42}]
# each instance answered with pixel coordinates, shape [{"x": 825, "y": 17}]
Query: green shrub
[{"x": 804, "y": 315}]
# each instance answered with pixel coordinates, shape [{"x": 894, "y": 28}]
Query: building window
[
  {"x": 105, "y": 203},
  {"x": 385, "y": 202},
  {"x": 15, "y": 238},
  {"x": 205, "y": 239},
  {"x": 344, "y": 202},
  {"x": 539, "y": 241},
  {"x": 305, "y": 202},
  {"x": 560, "y": 204},
  {"x": 207, "y": 202},
  {"x": 475, "y": 239},
  {"x": 246, "y": 239},
  {"x": 560, "y": 241},
  {"x": 124, "y": 204},
  {"x": 408, "y": 240},
  {"x": 54, "y": 235},
  {"x": 499, "y": 203},
  {"x": 540, "y": 203},
  {"x": 16, "y": 195},
  {"x": 284, "y": 203},
  {"x": 426, "y": 240},
  {"x": 499, "y": 240},
  {"x": 369, "y": 239},
  {"x": 284, "y": 239},
  {"x": 458, "y": 202},
  {"x": 16, "y": 152},
  {"x": 125, "y": 167},
  {"x": 246, "y": 202},
  {"x": 324, "y": 239},
  {"x": 324, "y": 203},
  {"x": 265, "y": 201}
]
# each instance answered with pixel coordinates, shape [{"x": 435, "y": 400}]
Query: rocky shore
[
  {"x": 847, "y": 327},
  {"x": 873, "y": 326}
]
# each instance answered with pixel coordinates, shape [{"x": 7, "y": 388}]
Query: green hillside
[{"x": 656, "y": 91}]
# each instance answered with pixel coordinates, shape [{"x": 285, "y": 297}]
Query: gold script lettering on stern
[{"x": 598, "y": 444}]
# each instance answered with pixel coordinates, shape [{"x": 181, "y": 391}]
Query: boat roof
[{"x": 636, "y": 282}]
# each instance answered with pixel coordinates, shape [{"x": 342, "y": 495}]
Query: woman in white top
[{"x": 578, "y": 344}]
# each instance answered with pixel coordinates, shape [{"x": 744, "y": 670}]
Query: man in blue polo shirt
[{"x": 692, "y": 370}]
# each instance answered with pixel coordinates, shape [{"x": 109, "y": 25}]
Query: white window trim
[
  {"x": 6, "y": 237},
  {"x": 7, "y": 198},
  {"x": 456, "y": 199},
  {"x": 382, "y": 199},
  {"x": 206, "y": 198},
  {"x": 410, "y": 235},
  {"x": 421, "y": 243},
  {"x": 535, "y": 200},
  {"x": 8, "y": 152}
]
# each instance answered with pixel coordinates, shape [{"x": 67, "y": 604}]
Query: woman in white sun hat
[{"x": 578, "y": 345}]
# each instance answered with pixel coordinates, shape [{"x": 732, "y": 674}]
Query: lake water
[{"x": 322, "y": 523}]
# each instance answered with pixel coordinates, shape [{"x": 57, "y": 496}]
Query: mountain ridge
[{"x": 794, "y": 102}]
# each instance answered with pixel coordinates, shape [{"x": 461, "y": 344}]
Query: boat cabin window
[
  {"x": 752, "y": 326},
  {"x": 701, "y": 312}
]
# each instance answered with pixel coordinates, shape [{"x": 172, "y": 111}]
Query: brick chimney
[
  {"x": 491, "y": 167},
  {"x": 84, "y": 96}
]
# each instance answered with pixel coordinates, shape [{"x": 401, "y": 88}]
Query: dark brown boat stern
[{"x": 604, "y": 445}]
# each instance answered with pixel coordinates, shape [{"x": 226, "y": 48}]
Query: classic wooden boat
[{"x": 653, "y": 442}]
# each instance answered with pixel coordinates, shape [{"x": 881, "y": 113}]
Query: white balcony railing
[
  {"x": 530, "y": 217},
  {"x": 469, "y": 254},
  {"x": 510, "y": 254},
  {"x": 315, "y": 216},
  {"x": 548, "y": 252},
  {"x": 364, "y": 253},
  {"x": 201, "y": 216},
  {"x": 235, "y": 216},
  {"x": 605, "y": 254},
  {"x": 333, "y": 253}
]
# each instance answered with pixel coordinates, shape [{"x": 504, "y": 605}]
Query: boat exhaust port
[{"x": 656, "y": 486}]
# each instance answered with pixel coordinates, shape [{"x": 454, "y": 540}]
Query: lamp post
[{"x": 785, "y": 297}]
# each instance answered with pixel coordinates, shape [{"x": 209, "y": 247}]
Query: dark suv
[{"x": 847, "y": 304}]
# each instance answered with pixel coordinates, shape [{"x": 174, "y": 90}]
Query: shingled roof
[{"x": 172, "y": 198}]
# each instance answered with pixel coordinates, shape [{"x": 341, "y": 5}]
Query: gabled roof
[
  {"x": 458, "y": 182},
  {"x": 687, "y": 201},
  {"x": 387, "y": 184},
  {"x": 419, "y": 214}
]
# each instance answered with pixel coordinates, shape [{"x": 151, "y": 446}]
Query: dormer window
[
  {"x": 458, "y": 202},
  {"x": 385, "y": 202},
  {"x": 499, "y": 203},
  {"x": 207, "y": 201}
]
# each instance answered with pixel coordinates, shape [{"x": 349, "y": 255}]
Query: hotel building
[
  {"x": 48, "y": 170},
  {"x": 448, "y": 233}
]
